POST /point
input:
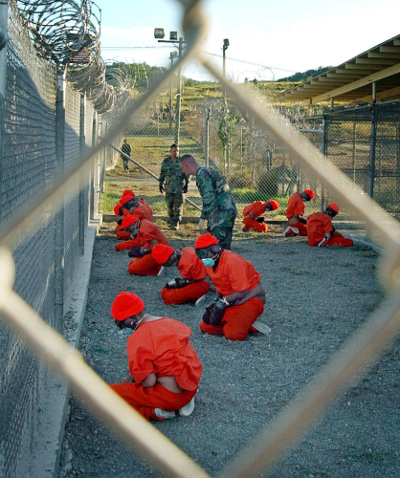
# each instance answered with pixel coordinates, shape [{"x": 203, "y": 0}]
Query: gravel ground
[{"x": 316, "y": 298}]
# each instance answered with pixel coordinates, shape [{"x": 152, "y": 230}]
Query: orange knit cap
[
  {"x": 274, "y": 204},
  {"x": 126, "y": 305},
  {"x": 334, "y": 207},
  {"x": 205, "y": 240},
  {"x": 310, "y": 192},
  {"x": 117, "y": 208},
  {"x": 128, "y": 220},
  {"x": 127, "y": 192},
  {"x": 161, "y": 253},
  {"x": 125, "y": 199}
]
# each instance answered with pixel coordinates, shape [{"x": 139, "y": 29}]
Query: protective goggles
[{"x": 203, "y": 253}]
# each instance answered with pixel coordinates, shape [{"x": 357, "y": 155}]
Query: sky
[{"x": 268, "y": 39}]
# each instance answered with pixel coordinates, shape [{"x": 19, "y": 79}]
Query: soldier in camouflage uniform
[
  {"x": 219, "y": 207},
  {"x": 126, "y": 148},
  {"x": 176, "y": 184}
]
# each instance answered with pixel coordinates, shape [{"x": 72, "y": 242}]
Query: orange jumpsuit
[
  {"x": 318, "y": 224},
  {"x": 257, "y": 208},
  {"x": 295, "y": 206},
  {"x": 143, "y": 211},
  {"x": 161, "y": 347},
  {"x": 146, "y": 265},
  {"x": 235, "y": 274},
  {"x": 190, "y": 267}
]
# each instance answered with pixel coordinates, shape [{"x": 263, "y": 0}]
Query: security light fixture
[
  {"x": 226, "y": 43},
  {"x": 173, "y": 35},
  {"x": 159, "y": 33}
]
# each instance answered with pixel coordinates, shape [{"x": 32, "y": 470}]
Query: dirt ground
[{"x": 316, "y": 299}]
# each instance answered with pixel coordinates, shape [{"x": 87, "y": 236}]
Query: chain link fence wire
[{"x": 250, "y": 141}]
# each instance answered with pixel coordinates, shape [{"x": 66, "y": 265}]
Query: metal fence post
[
  {"x": 92, "y": 180},
  {"x": 208, "y": 137},
  {"x": 372, "y": 147},
  {"x": 3, "y": 77},
  {"x": 323, "y": 151},
  {"x": 59, "y": 216},
  {"x": 82, "y": 150}
]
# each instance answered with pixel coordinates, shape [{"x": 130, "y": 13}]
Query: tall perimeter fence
[{"x": 52, "y": 165}]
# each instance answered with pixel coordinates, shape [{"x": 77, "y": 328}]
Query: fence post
[
  {"x": 82, "y": 150},
  {"x": 96, "y": 164},
  {"x": 323, "y": 151},
  {"x": 92, "y": 180},
  {"x": 372, "y": 144},
  {"x": 3, "y": 78},
  {"x": 208, "y": 137},
  {"x": 59, "y": 216}
]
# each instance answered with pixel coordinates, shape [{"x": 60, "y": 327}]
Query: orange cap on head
[
  {"x": 274, "y": 204},
  {"x": 162, "y": 253},
  {"x": 117, "y": 208},
  {"x": 310, "y": 192},
  {"x": 334, "y": 207},
  {"x": 125, "y": 199},
  {"x": 126, "y": 305},
  {"x": 128, "y": 220},
  {"x": 127, "y": 192},
  {"x": 205, "y": 240}
]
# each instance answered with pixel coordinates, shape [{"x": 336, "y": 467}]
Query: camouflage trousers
[
  {"x": 175, "y": 203},
  {"x": 223, "y": 233}
]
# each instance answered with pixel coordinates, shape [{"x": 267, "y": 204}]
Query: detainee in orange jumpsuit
[
  {"x": 162, "y": 363},
  {"x": 144, "y": 236},
  {"x": 321, "y": 231},
  {"x": 130, "y": 204},
  {"x": 252, "y": 215},
  {"x": 294, "y": 212},
  {"x": 241, "y": 296},
  {"x": 191, "y": 287}
]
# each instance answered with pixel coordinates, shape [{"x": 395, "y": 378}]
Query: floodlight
[
  {"x": 159, "y": 33},
  {"x": 173, "y": 35}
]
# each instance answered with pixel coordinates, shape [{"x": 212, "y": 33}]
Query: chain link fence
[
  {"x": 46, "y": 127},
  {"x": 364, "y": 143}
]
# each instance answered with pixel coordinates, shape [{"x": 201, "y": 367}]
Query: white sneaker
[
  {"x": 200, "y": 301},
  {"x": 161, "y": 271},
  {"x": 187, "y": 409},
  {"x": 261, "y": 327},
  {"x": 160, "y": 413}
]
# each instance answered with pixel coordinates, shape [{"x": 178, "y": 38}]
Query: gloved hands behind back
[
  {"x": 137, "y": 251},
  {"x": 213, "y": 314},
  {"x": 177, "y": 283}
]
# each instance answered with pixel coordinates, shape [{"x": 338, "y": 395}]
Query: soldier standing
[
  {"x": 126, "y": 149},
  {"x": 176, "y": 184},
  {"x": 219, "y": 207}
]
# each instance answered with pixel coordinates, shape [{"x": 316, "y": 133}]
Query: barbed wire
[{"x": 67, "y": 33}]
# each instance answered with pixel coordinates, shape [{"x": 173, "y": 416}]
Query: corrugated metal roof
[{"x": 352, "y": 81}]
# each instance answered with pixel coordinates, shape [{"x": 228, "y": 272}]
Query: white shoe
[
  {"x": 187, "y": 409},
  {"x": 160, "y": 413},
  {"x": 261, "y": 327},
  {"x": 161, "y": 271},
  {"x": 200, "y": 301}
]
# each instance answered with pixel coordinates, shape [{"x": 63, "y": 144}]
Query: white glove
[{"x": 201, "y": 225}]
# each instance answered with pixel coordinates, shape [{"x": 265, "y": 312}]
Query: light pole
[
  {"x": 173, "y": 38},
  {"x": 172, "y": 55}
]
